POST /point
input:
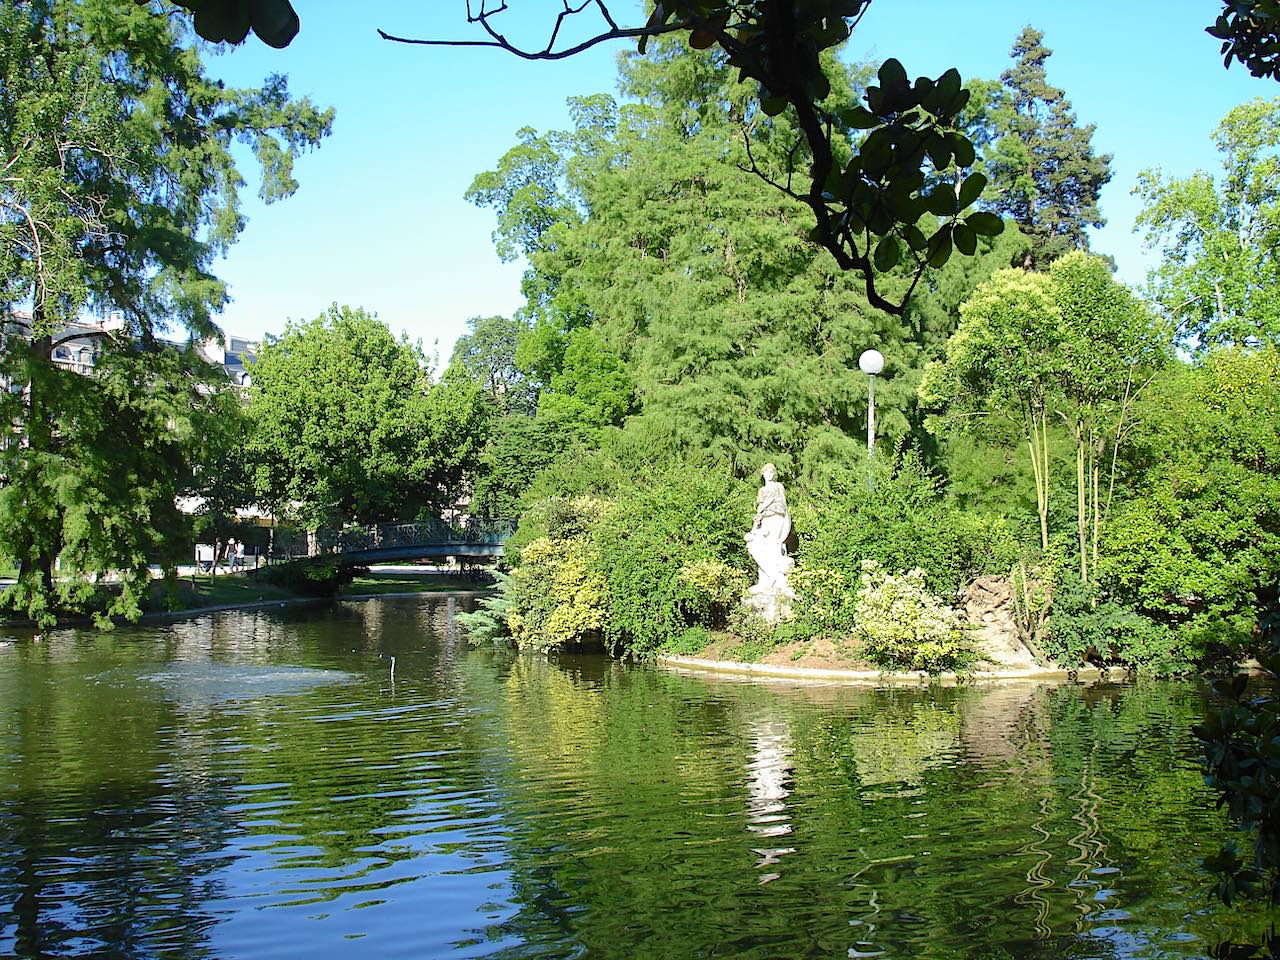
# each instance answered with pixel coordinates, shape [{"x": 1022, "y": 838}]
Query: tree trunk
[
  {"x": 39, "y": 432},
  {"x": 1099, "y": 452},
  {"x": 1082, "y": 503},
  {"x": 1040, "y": 465}
]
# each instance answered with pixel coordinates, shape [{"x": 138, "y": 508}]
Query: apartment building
[{"x": 79, "y": 344}]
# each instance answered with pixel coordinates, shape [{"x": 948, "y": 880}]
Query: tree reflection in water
[{"x": 516, "y": 806}]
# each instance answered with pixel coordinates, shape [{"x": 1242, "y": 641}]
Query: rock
[{"x": 987, "y": 605}]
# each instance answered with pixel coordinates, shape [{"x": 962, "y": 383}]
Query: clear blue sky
[{"x": 380, "y": 220}]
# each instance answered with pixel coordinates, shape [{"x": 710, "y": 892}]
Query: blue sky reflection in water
[{"x": 488, "y": 805}]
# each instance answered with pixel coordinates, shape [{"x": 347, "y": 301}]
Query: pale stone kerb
[{"x": 769, "y": 671}]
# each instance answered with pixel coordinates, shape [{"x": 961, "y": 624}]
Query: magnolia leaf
[
  {"x": 888, "y": 253},
  {"x": 940, "y": 246},
  {"x": 971, "y": 189},
  {"x": 985, "y": 224}
]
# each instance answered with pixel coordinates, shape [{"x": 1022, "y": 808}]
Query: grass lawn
[
  {"x": 235, "y": 588},
  {"x": 227, "y": 588},
  {"x": 426, "y": 582},
  {"x": 231, "y": 589}
]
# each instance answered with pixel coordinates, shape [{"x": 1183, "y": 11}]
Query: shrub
[
  {"x": 557, "y": 599},
  {"x": 693, "y": 640},
  {"x": 904, "y": 627},
  {"x": 312, "y": 576},
  {"x": 823, "y": 605},
  {"x": 1083, "y": 623},
  {"x": 658, "y": 547},
  {"x": 1197, "y": 543},
  {"x": 904, "y": 523},
  {"x": 750, "y": 627},
  {"x": 556, "y": 518},
  {"x": 712, "y": 589},
  {"x": 488, "y": 622}
]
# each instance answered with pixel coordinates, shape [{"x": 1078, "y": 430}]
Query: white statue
[{"x": 767, "y": 544}]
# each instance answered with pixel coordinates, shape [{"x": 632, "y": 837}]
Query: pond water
[{"x": 257, "y": 785}]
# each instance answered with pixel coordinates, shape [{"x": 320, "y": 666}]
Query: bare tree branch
[{"x": 501, "y": 43}]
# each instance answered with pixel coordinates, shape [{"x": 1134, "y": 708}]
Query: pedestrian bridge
[{"x": 431, "y": 539}]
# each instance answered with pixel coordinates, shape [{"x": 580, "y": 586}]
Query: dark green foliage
[
  {"x": 347, "y": 424},
  {"x": 1085, "y": 626},
  {"x": 1240, "y": 740},
  {"x": 274, "y": 22},
  {"x": 1250, "y": 33},
  {"x": 1046, "y": 176},
  {"x": 520, "y": 447},
  {"x": 487, "y": 354},
  {"x": 488, "y": 622},
  {"x": 650, "y": 535},
  {"x": 98, "y": 491},
  {"x": 902, "y": 522},
  {"x": 312, "y": 576},
  {"x": 1198, "y": 534}
]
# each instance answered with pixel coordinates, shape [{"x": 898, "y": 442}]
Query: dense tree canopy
[
  {"x": 1197, "y": 540},
  {"x": 1068, "y": 346},
  {"x": 737, "y": 334},
  {"x": 347, "y": 424},
  {"x": 120, "y": 189},
  {"x": 120, "y": 186},
  {"x": 1219, "y": 277},
  {"x": 487, "y": 354}
]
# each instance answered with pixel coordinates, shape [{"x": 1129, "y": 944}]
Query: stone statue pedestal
[{"x": 771, "y": 602}]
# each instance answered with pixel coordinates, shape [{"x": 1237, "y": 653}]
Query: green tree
[
  {"x": 1004, "y": 361},
  {"x": 1195, "y": 542},
  {"x": 119, "y": 191},
  {"x": 1071, "y": 345},
  {"x": 347, "y": 425},
  {"x": 487, "y": 354},
  {"x": 1111, "y": 348},
  {"x": 592, "y": 388},
  {"x": 520, "y": 447},
  {"x": 1219, "y": 279},
  {"x": 102, "y": 497},
  {"x": 220, "y": 482},
  {"x": 1045, "y": 175},
  {"x": 740, "y": 337}
]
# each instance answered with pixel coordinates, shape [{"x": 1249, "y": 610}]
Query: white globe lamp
[{"x": 871, "y": 363}]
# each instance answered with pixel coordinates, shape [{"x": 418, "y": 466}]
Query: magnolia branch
[{"x": 499, "y": 42}]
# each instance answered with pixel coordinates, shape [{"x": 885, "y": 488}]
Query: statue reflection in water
[{"x": 768, "y": 777}]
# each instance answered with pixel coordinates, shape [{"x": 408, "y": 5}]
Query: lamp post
[{"x": 871, "y": 363}]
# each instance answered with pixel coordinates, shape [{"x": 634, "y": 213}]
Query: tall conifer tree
[{"x": 1046, "y": 174}]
